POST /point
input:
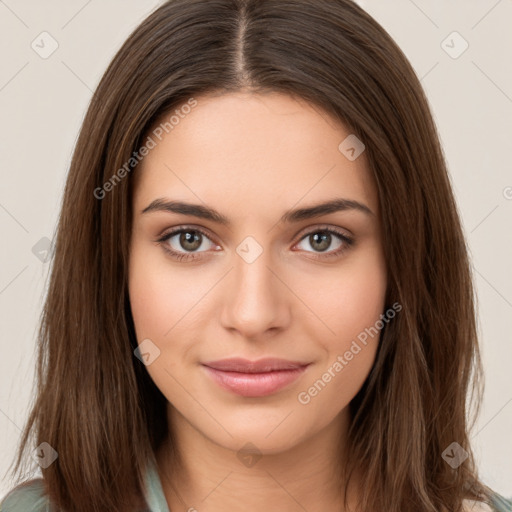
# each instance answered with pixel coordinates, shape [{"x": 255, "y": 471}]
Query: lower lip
[{"x": 255, "y": 384}]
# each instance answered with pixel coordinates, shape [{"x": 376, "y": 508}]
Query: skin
[{"x": 252, "y": 157}]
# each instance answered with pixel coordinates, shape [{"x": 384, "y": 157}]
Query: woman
[{"x": 260, "y": 293}]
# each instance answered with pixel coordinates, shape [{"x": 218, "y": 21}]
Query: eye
[
  {"x": 322, "y": 238},
  {"x": 183, "y": 242}
]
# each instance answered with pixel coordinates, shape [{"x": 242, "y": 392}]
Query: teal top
[{"x": 31, "y": 498}]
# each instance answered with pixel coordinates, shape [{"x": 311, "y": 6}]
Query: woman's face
[{"x": 260, "y": 278}]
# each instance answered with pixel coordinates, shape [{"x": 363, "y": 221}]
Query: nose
[{"x": 256, "y": 298}]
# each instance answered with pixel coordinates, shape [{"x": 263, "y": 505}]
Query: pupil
[
  {"x": 324, "y": 242},
  {"x": 187, "y": 238},
  {"x": 192, "y": 242}
]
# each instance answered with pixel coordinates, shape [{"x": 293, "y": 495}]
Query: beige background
[{"x": 42, "y": 103}]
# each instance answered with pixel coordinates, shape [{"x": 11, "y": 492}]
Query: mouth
[{"x": 254, "y": 378}]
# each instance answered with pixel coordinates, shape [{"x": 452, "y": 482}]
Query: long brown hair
[{"x": 96, "y": 405}]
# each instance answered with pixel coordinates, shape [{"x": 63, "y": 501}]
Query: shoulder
[
  {"x": 502, "y": 504},
  {"x": 27, "y": 497},
  {"x": 499, "y": 504}
]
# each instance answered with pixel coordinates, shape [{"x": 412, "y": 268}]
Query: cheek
[
  {"x": 153, "y": 297},
  {"x": 350, "y": 306},
  {"x": 360, "y": 324},
  {"x": 156, "y": 308},
  {"x": 167, "y": 308},
  {"x": 347, "y": 300}
]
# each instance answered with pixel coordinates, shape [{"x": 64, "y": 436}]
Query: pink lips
[{"x": 254, "y": 378}]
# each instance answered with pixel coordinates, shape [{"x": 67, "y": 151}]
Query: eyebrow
[{"x": 299, "y": 214}]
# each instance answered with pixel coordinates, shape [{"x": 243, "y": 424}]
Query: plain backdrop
[{"x": 460, "y": 49}]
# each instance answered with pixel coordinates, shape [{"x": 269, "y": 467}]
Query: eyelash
[{"x": 347, "y": 242}]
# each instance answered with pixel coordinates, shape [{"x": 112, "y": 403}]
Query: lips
[
  {"x": 254, "y": 378},
  {"x": 238, "y": 364}
]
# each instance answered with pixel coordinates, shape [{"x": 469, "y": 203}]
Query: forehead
[{"x": 253, "y": 152}]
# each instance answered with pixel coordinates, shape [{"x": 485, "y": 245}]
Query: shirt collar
[{"x": 154, "y": 493}]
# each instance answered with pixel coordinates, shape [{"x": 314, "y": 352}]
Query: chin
[
  {"x": 267, "y": 431},
  {"x": 247, "y": 441}
]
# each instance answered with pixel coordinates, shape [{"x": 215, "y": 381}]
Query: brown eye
[
  {"x": 186, "y": 239},
  {"x": 184, "y": 243},
  {"x": 190, "y": 240},
  {"x": 321, "y": 240}
]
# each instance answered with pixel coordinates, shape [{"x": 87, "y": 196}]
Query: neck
[{"x": 209, "y": 478}]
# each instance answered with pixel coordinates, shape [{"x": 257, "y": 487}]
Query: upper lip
[{"x": 268, "y": 364}]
